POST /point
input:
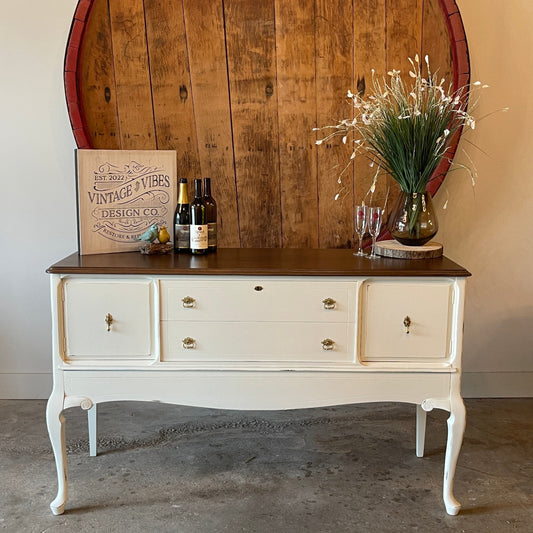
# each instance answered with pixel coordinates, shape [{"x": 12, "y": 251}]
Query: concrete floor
[{"x": 345, "y": 469}]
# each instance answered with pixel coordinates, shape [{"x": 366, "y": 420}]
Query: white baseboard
[
  {"x": 497, "y": 384},
  {"x": 475, "y": 385},
  {"x": 25, "y": 386}
]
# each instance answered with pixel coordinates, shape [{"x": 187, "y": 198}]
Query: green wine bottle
[
  {"x": 211, "y": 214},
  {"x": 182, "y": 219},
  {"x": 198, "y": 228}
]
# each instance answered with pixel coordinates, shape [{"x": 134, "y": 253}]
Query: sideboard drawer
[
  {"x": 257, "y": 341},
  {"x": 405, "y": 320},
  {"x": 258, "y": 300},
  {"x": 107, "y": 319}
]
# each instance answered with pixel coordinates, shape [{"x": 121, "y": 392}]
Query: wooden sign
[{"x": 121, "y": 193}]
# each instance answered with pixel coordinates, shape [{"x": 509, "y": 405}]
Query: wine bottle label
[
  {"x": 181, "y": 236},
  {"x": 198, "y": 237},
  {"x": 212, "y": 235}
]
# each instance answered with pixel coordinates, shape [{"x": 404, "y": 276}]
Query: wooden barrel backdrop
[{"x": 236, "y": 88}]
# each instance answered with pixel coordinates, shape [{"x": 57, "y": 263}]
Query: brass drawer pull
[
  {"x": 327, "y": 344},
  {"x": 188, "y": 302},
  {"x": 329, "y": 303},
  {"x": 108, "y": 321},
  {"x": 407, "y": 324},
  {"x": 189, "y": 343}
]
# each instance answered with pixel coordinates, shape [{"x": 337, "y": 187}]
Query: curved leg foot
[
  {"x": 57, "y": 509},
  {"x": 453, "y": 508},
  {"x": 456, "y": 428},
  {"x": 56, "y": 430}
]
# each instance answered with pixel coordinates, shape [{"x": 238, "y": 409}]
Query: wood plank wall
[{"x": 236, "y": 87}]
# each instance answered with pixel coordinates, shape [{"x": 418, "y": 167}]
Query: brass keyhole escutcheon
[
  {"x": 108, "y": 321},
  {"x": 258, "y": 288},
  {"x": 407, "y": 324}
]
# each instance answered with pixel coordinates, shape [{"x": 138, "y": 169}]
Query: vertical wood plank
[
  {"x": 295, "y": 46},
  {"x": 97, "y": 80},
  {"x": 369, "y": 53},
  {"x": 334, "y": 71},
  {"x": 204, "y": 27},
  {"x": 436, "y": 42},
  {"x": 134, "y": 96},
  {"x": 404, "y": 34},
  {"x": 171, "y": 85},
  {"x": 250, "y": 42}
]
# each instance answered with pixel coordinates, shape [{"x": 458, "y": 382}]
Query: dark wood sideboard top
[{"x": 257, "y": 262}]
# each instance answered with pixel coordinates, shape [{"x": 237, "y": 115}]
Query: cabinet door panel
[
  {"x": 258, "y": 300},
  {"x": 255, "y": 341},
  {"x": 386, "y": 309},
  {"x": 89, "y": 302}
]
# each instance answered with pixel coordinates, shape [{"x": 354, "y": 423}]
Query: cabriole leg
[
  {"x": 55, "y": 422},
  {"x": 456, "y": 428}
]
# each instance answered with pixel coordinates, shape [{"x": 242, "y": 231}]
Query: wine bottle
[
  {"x": 211, "y": 215},
  {"x": 198, "y": 221},
  {"x": 182, "y": 219}
]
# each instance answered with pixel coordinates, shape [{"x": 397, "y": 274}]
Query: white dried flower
[{"x": 432, "y": 110}]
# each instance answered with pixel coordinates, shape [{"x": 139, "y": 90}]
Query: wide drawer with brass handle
[
  {"x": 257, "y": 341},
  {"x": 258, "y": 300}
]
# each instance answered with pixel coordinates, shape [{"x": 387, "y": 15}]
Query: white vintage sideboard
[{"x": 257, "y": 329}]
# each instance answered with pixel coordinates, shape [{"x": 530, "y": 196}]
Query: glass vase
[{"x": 413, "y": 221}]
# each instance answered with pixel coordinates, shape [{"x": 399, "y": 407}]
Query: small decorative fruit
[{"x": 163, "y": 235}]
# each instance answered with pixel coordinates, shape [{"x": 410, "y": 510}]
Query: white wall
[
  {"x": 488, "y": 229},
  {"x": 38, "y": 211},
  {"x": 488, "y": 232}
]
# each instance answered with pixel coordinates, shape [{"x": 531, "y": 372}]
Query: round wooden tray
[{"x": 396, "y": 250}]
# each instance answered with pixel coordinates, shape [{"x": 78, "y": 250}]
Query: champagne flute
[
  {"x": 375, "y": 216},
  {"x": 361, "y": 222}
]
